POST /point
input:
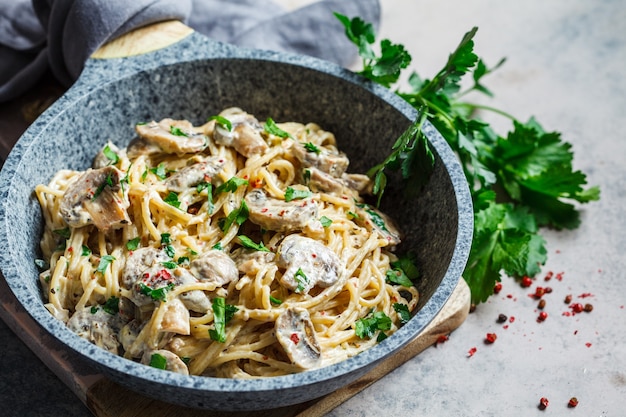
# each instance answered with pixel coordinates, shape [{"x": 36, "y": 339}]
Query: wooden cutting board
[{"x": 106, "y": 398}]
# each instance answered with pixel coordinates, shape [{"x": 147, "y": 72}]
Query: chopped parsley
[
  {"x": 272, "y": 129},
  {"x": 110, "y": 155},
  {"x": 177, "y": 131},
  {"x": 158, "y": 361},
  {"x": 326, "y": 222},
  {"x": 231, "y": 185},
  {"x": 403, "y": 312},
  {"x": 107, "y": 181},
  {"x": 246, "y": 242},
  {"x": 105, "y": 261},
  {"x": 237, "y": 216},
  {"x": 112, "y": 305},
  {"x": 158, "y": 294},
  {"x": 85, "y": 251},
  {"x": 64, "y": 233},
  {"x": 133, "y": 244},
  {"x": 301, "y": 279},
  {"x": 310, "y": 147},
  {"x": 376, "y": 321},
  {"x": 209, "y": 192},
  {"x": 217, "y": 246},
  {"x": 222, "y": 314},
  {"x": 170, "y": 264},
  {"x": 223, "y": 122},
  {"x": 275, "y": 300},
  {"x": 295, "y": 194},
  {"x": 93, "y": 309},
  {"x": 159, "y": 171},
  {"x": 172, "y": 199}
]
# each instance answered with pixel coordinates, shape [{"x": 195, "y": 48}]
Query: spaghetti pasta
[{"x": 233, "y": 249}]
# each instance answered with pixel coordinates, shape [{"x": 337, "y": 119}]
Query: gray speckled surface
[{"x": 191, "y": 80}]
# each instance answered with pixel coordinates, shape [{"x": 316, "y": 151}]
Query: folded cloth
[{"x": 60, "y": 35}]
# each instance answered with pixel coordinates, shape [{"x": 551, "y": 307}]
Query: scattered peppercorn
[
  {"x": 568, "y": 298},
  {"x": 472, "y": 308},
  {"x": 577, "y": 307},
  {"x": 497, "y": 288},
  {"x": 490, "y": 338},
  {"x": 542, "y": 316},
  {"x": 502, "y": 318},
  {"x": 442, "y": 339},
  {"x": 588, "y": 308},
  {"x": 542, "y": 304},
  {"x": 543, "y": 403},
  {"x": 547, "y": 290},
  {"x": 526, "y": 281},
  {"x": 573, "y": 402},
  {"x": 539, "y": 291}
]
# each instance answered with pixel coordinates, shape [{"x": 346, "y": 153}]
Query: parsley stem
[{"x": 475, "y": 106}]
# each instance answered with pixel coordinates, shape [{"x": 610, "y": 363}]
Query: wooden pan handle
[{"x": 143, "y": 40}]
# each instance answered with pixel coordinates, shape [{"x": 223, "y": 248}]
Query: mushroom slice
[
  {"x": 164, "y": 359},
  {"x": 245, "y": 134},
  {"x": 195, "y": 300},
  {"x": 173, "y": 136},
  {"x": 194, "y": 174},
  {"x": 214, "y": 266},
  {"x": 175, "y": 318},
  {"x": 279, "y": 215},
  {"x": 138, "y": 262},
  {"x": 308, "y": 263},
  {"x": 101, "y": 159},
  {"x": 96, "y": 197},
  {"x": 376, "y": 221},
  {"x": 97, "y": 326},
  {"x": 331, "y": 162},
  {"x": 295, "y": 333},
  {"x": 250, "y": 261}
]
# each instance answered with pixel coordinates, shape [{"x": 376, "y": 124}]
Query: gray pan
[{"x": 193, "y": 79}]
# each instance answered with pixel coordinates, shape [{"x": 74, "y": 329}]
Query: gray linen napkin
[{"x": 60, "y": 35}]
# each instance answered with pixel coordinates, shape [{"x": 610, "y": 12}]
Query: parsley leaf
[
  {"x": 104, "y": 263},
  {"x": 271, "y": 128},
  {"x": 177, "y": 131},
  {"x": 296, "y": 194},
  {"x": 326, "y": 221},
  {"x": 403, "y": 312},
  {"x": 133, "y": 244},
  {"x": 246, "y": 242},
  {"x": 222, "y": 314},
  {"x": 110, "y": 155},
  {"x": 301, "y": 279},
  {"x": 231, "y": 185},
  {"x": 158, "y": 361},
  {"x": 157, "y": 294},
  {"x": 172, "y": 199},
  {"x": 310, "y": 147},
  {"x": 223, "y": 122},
  {"x": 366, "y": 327},
  {"x": 237, "y": 216},
  {"x": 112, "y": 305},
  {"x": 528, "y": 168},
  {"x": 159, "y": 171}
]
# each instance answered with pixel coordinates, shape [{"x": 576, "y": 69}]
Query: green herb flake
[
  {"x": 172, "y": 199},
  {"x": 104, "y": 263},
  {"x": 158, "y": 294},
  {"x": 368, "y": 326},
  {"x": 222, "y": 314},
  {"x": 326, "y": 222},
  {"x": 397, "y": 276},
  {"x": 403, "y": 312},
  {"x": 112, "y": 305},
  {"x": 111, "y": 155},
  {"x": 238, "y": 216},
  {"x": 64, "y": 233},
  {"x": 108, "y": 181},
  {"x": 301, "y": 279},
  {"x": 295, "y": 194},
  {"x": 223, "y": 122},
  {"x": 310, "y": 147},
  {"x": 170, "y": 264},
  {"x": 177, "y": 131},
  {"x": 133, "y": 244},
  {"x": 231, "y": 185},
  {"x": 217, "y": 246},
  {"x": 93, "y": 309},
  {"x": 246, "y": 242},
  {"x": 158, "y": 361},
  {"x": 275, "y": 300},
  {"x": 159, "y": 171},
  {"x": 273, "y": 129}
]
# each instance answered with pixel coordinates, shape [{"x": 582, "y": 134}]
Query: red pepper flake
[
  {"x": 543, "y": 403},
  {"x": 442, "y": 339},
  {"x": 576, "y": 307},
  {"x": 264, "y": 210},
  {"x": 295, "y": 338},
  {"x": 497, "y": 288},
  {"x": 585, "y": 295},
  {"x": 70, "y": 249},
  {"x": 542, "y": 317},
  {"x": 547, "y": 290},
  {"x": 506, "y": 326},
  {"x": 471, "y": 352},
  {"x": 573, "y": 402},
  {"x": 490, "y": 338},
  {"x": 588, "y": 344},
  {"x": 567, "y": 313},
  {"x": 511, "y": 319},
  {"x": 526, "y": 281},
  {"x": 559, "y": 276},
  {"x": 548, "y": 276}
]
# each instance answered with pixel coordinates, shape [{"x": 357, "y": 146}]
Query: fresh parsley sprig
[{"x": 520, "y": 181}]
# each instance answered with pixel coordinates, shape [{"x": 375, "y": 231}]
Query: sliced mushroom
[
  {"x": 295, "y": 333},
  {"x": 250, "y": 261},
  {"x": 331, "y": 162},
  {"x": 376, "y": 221},
  {"x": 175, "y": 318},
  {"x": 97, "y": 326},
  {"x": 319, "y": 181},
  {"x": 152, "y": 286},
  {"x": 358, "y": 182},
  {"x": 214, "y": 266},
  {"x": 138, "y": 262},
  {"x": 279, "y": 215},
  {"x": 96, "y": 197},
  {"x": 173, "y": 136},
  {"x": 194, "y": 174},
  {"x": 195, "y": 300},
  {"x": 128, "y": 335},
  {"x": 172, "y": 361},
  {"x": 244, "y": 135},
  {"x": 308, "y": 263}
]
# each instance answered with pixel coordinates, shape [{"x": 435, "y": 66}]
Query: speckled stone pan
[{"x": 196, "y": 78}]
